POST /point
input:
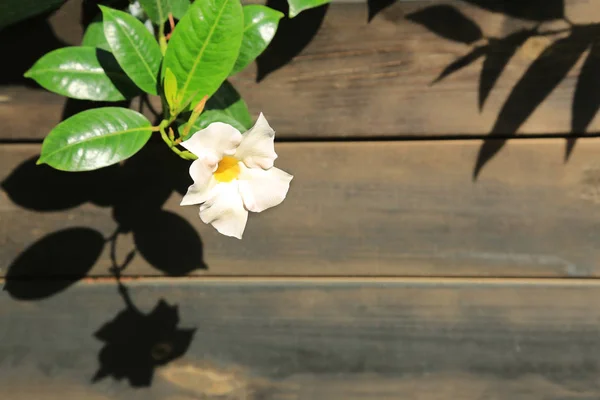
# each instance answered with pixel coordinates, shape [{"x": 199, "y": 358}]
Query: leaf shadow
[
  {"x": 117, "y": 76},
  {"x": 539, "y": 80},
  {"x": 533, "y": 10},
  {"x": 225, "y": 96},
  {"x": 448, "y": 22},
  {"x": 498, "y": 55},
  {"x": 567, "y": 46},
  {"x": 90, "y": 9},
  {"x": 75, "y": 106},
  {"x": 586, "y": 100},
  {"x": 29, "y": 39},
  {"x": 123, "y": 84},
  {"x": 292, "y": 36},
  {"x": 376, "y": 6},
  {"x": 50, "y": 189},
  {"x": 59, "y": 259},
  {"x": 33, "y": 37},
  {"x": 135, "y": 191},
  {"x": 461, "y": 62}
]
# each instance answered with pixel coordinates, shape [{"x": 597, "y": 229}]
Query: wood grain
[
  {"x": 363, "y": 208},
  {"x": 361, "y": 79},
  {"x": 308, "y": 339}
]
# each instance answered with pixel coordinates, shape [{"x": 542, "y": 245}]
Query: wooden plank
[
  {"x": 362, "y": 208},
  {"x": 304, "y": 339},
  {"x": 360, "y": 79}
]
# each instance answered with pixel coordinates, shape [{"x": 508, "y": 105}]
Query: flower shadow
[{"x": 135, "y": 343}]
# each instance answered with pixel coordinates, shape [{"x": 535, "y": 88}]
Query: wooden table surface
[{"x": 440, "y": 240}]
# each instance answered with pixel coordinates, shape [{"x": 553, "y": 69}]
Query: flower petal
[
  {"x": 217, "y": 139},
  {"x": 262, "y": 189},
  {"x": 257, "y": 149},
  {"x": 201, "y": 171},
  {"x": 225, "y": 210}
]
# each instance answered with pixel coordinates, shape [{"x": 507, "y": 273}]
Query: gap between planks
[
  {"x": 391, "y": 139},
  {"x": 308, "y": 280}
]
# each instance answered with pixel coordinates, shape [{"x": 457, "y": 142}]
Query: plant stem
[
  {"x": 172, "y": 25},
  {"x": 186, "y": 155},
  {"x": 162, "y": 41},
  {"x": 146, "y": 101},
  {"x": 195, "y": 114}
]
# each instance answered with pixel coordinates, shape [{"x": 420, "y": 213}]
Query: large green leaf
[
  {"x": 95, "y": 138},
  {"x": 158, "y": 10},
  {"x": 179, "y": 7},
  {"x": 297, "y": 6},
  {"x": 227, "y": 106},
  {"x": 204, "y": 47},
  {"x": 84, "y": 73},
  {"x": 134, "y": 48},
  {"x": 13, "y": 11},
  {"x": 94, "y": 35},
  {"x": 228, "y": 101},
  {"x": 210, "y": 116},
  {"x": 260, "y": 25}
]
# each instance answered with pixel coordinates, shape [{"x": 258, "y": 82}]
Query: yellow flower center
[{"x": 227, "y": 170}]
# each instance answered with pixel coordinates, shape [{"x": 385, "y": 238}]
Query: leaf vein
[
  {"x": 137, "y": 51},
  {"x": 201, "y": 53}
]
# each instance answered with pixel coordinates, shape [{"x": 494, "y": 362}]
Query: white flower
[
  {"x": 234, "y": 174},
  {"x": 136, "y": 10}
]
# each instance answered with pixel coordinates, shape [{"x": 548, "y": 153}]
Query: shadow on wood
[
  {"x": 136, "y": 343},
  {"x": 533, "y": 10},
  {"x": 60, "y": 259},
  {"x": 568, "y": 44},
  {"x": 25, "y": 43},
  {"x": 344, "y": 339},
  {"x": 375, "y": 6},
  {"x": 136, "y": 191},
  {"x": 75, "y": 106},
  {"x": 291, "y": 38}
]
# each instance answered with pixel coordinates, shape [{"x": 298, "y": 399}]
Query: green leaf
[
  {"x": 260, "y": 25},
  {"x": 204, "y": 47},
  {"x": 229, "y": 102},
  {"x": 210, "y": 116},
  {"x": 179, "y": 7},
  {"x": 227, "y": 106},
  {"x": 170, "y": 89},
  {"x": 95, "y": 138},
  {"x": 158, "y": 10},
  {"x": 134, "y": 48},
  {"x": 13, "y": 11},
  {"x": 84, "y": 73},
  {"x": 94, "y": 35},
  {"x": 297, "y": 6}
]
